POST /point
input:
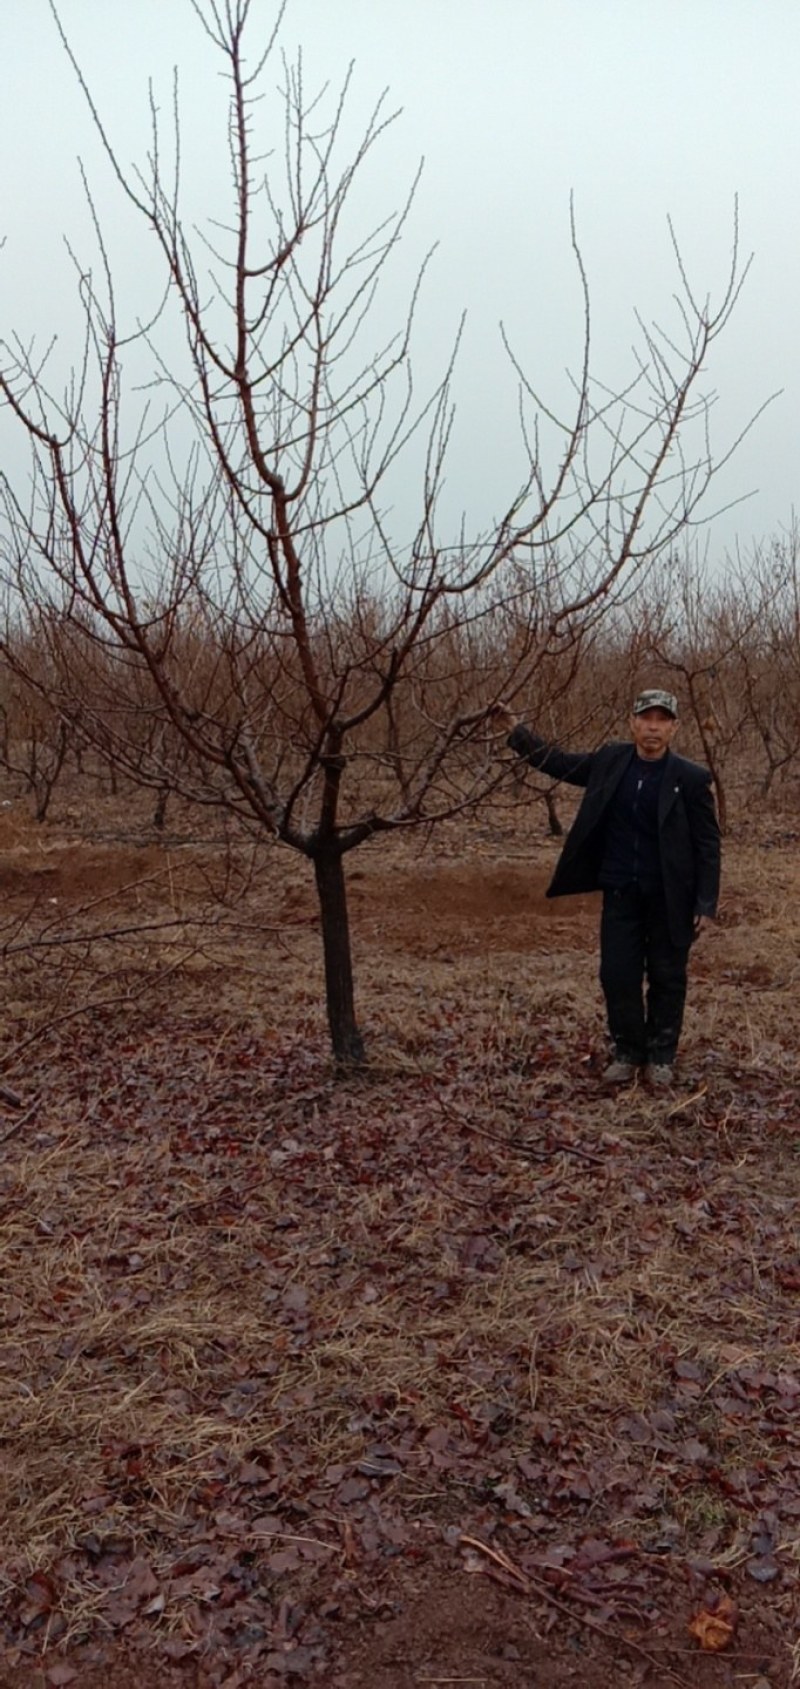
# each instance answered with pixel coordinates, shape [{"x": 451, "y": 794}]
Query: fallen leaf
[
  {"x": 141, "y": 1580},
  {"x": 713, "y": 1630},
  {"x": 353, "y": 1489},
  {"x": 764, "y": 1569}
]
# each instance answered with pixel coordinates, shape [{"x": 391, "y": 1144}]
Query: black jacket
[{"x": 688, "y": 830}]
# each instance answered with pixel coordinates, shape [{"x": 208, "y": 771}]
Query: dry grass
[{"x": 214, "y": 1255}]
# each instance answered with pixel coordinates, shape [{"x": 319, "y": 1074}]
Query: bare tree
[
  {"x": 770, "y": 657},
  {"x": 34, "y": 738},
  {"x": 248, "y": 596},
  {"x": 702, "y": 631}
]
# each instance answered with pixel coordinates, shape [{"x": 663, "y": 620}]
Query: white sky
[{"x": 641, "y": 108}]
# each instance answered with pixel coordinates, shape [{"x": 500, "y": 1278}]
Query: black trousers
[{"x": 635, "y": 946}]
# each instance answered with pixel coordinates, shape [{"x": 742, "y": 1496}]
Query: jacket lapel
[
  {"x": 614, "y": 773},
  {"x": 670, "y": 788}
]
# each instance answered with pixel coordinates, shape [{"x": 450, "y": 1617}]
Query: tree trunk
[
  {"x": 722, "y": 802},
  {"x": 348, "y": 1045},
  {"x": 554, "y": 822},
  {"x": 160, "y": 811}
]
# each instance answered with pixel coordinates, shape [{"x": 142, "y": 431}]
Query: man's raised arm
[{"x": 572, "y": 766}]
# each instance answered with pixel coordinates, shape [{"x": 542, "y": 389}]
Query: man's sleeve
[
  {"x": 572, "y": 766},
  {"x": 706, "y": 840}
]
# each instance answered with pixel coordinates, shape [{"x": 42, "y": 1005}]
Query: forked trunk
[{"x": 348, "y": 1045}]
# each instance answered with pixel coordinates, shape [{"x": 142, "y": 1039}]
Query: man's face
[{"x": 651, "y": 732}]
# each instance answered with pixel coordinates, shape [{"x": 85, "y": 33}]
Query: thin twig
[
  {"x": 519, "y": 1145},
  {"x": 18, "y": 1124},
  {"x": 527, "y": 1583}
]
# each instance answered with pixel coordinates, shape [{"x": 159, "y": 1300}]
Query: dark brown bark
[
  {"x": 555, "y": 825},
  {"x": 348, "y": 1045}
]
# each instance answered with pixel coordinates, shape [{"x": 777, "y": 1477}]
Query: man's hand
[
  {"x": 503, "y": 718},
  {"x": 702, "y": 923}
]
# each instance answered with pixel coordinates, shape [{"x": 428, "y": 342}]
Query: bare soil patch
[
  {"x": 458, "y": 1370},
  {"x": 482, "y": 905}
]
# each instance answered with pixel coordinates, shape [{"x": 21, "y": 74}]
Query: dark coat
[{"x": 688, "y": 830}]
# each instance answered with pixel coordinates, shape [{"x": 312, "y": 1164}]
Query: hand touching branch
[{"x": 503, "y": 717}]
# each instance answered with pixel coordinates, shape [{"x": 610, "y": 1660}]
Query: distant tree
[
  {"x": 249, "y": 597},
  {"x": 699, "y": 635},
  {"x": 769, "y": 659},
  {"x": 35, "y": 739}
]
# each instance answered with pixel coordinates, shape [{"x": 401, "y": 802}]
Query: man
[{"x": 647, "y": 835}]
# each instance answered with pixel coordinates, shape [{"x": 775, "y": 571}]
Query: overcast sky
[{"x": 642, "y": 109}]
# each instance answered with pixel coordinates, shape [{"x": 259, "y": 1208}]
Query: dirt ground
[{"x": 456, "y": 1372}]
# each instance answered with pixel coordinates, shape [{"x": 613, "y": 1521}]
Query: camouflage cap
[{"x": 655, "y": 700}]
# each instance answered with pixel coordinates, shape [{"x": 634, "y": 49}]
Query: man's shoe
[
  {"x": 659, "y": 1075},
  {"x": 619, "y": 1072}
]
